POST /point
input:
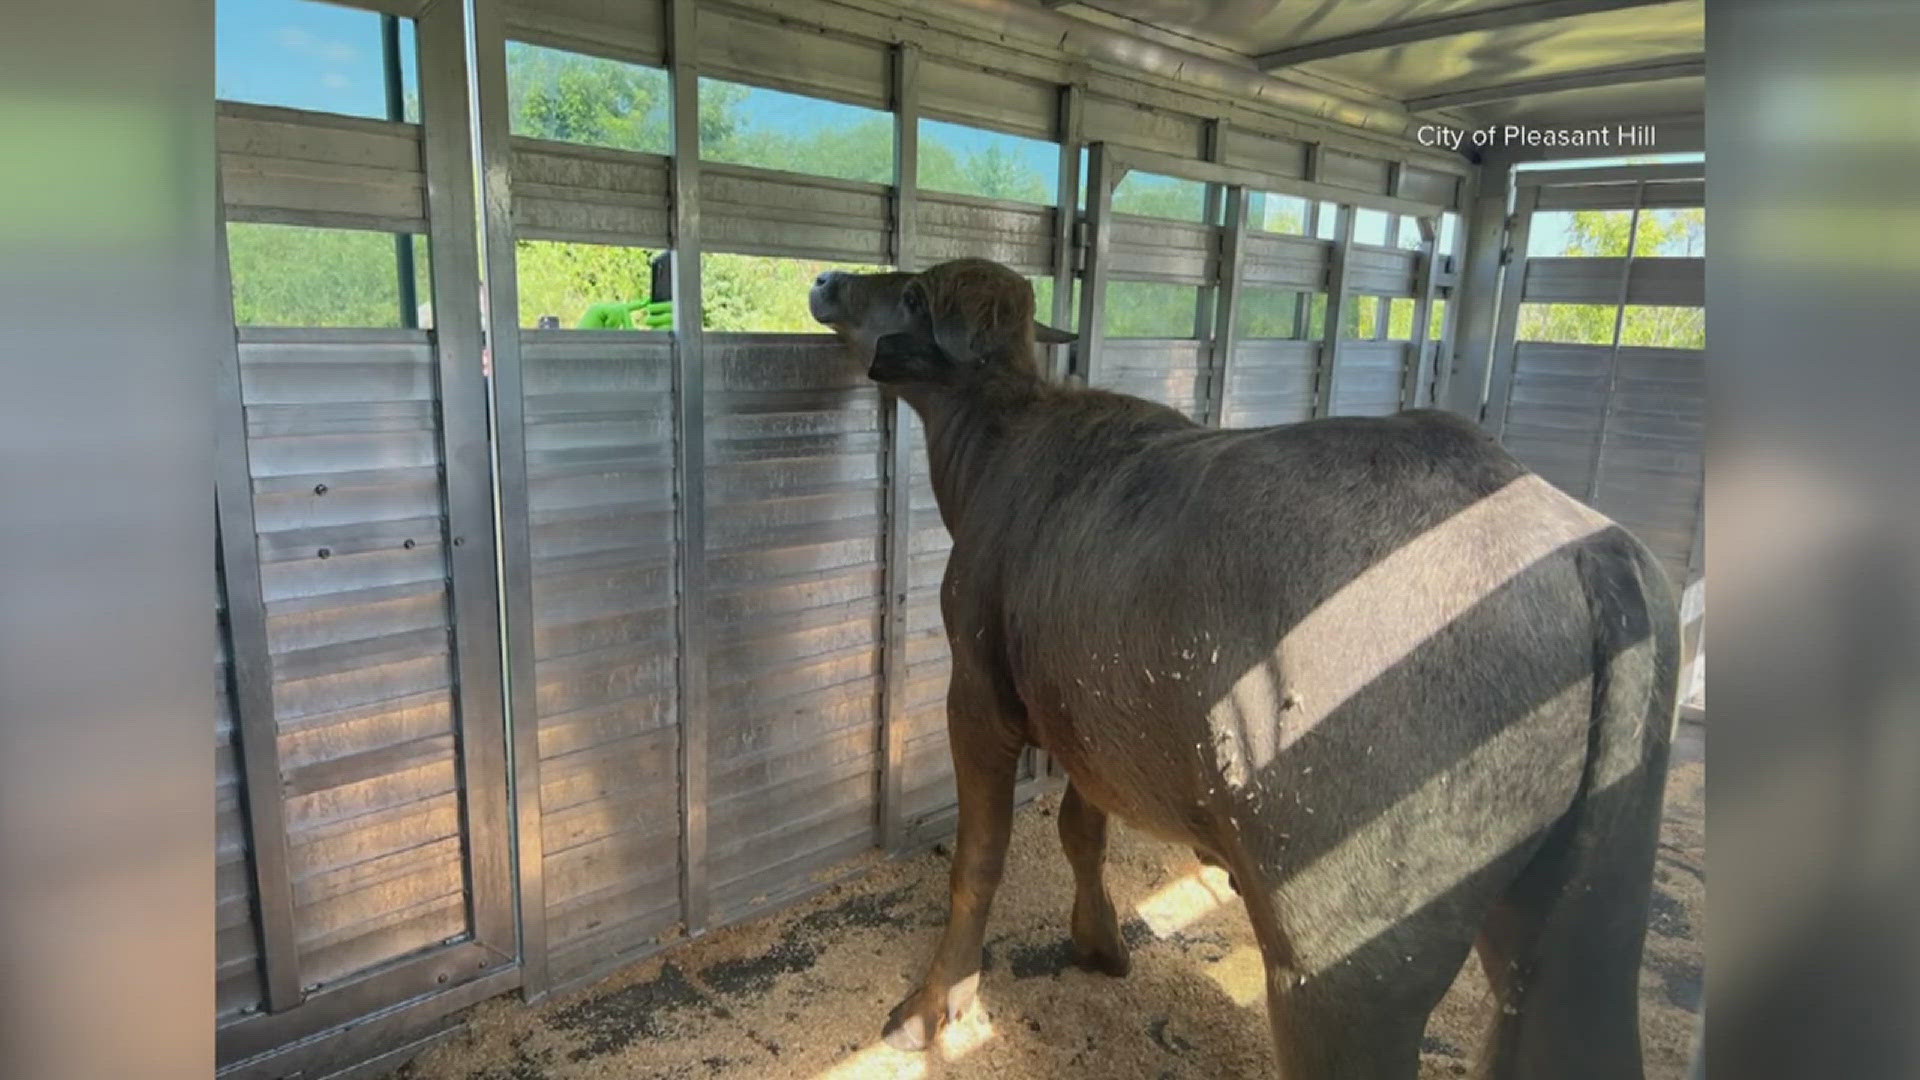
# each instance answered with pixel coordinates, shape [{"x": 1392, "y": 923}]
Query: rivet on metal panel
[
  {"x": 407, "y": 543},
  {"x": 326, "y": 553},
  {"x": 459, "y": 541},
  {"x": 319, "y": 489}
]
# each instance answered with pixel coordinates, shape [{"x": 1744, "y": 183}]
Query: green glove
[
  {"x": 659, "y": 315},
  {"x": 614, "y": 315}
]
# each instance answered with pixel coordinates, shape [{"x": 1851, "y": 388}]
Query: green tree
[{"x": 1606, "y": 233}]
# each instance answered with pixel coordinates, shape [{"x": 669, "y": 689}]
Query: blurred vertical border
[
  {"x": 1813, "y": 170},
  {"x": 106, "y": 539}
]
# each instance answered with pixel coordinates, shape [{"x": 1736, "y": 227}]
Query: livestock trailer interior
[{"x": 547, "y": 646}]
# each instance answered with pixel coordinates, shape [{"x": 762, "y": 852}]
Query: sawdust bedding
[{"x": 802, "y": 994}]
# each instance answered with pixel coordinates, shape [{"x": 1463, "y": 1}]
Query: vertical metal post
[
  {"x": 1226, "y": 323},
  {"x": 1613, "y": 353},
  {"x": 1206, "y": 296},
  {"x": 1093, "y": 289},
  {"x": 1330, "y": 337},
  {"x": 510, "y": 463},
  {"x": 1476, "y": 292},
  {"x": 1066, "y": 254},
  {"x": 1303, "y": 301},
  {"x": 1425, "y": 284},
  {"x": 467, "y": 457},
  {"x": 1444, "y": 353},
  {"x": 250, "y": 666},
  {"x": 690, "y": 461},
  {"x": 397, "y": 110},
  {"x": 1499, "y": 384},
  {"x": 898, "y": 467}
]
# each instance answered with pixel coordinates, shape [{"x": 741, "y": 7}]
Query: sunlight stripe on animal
[{"x": 1344, "y": 644}]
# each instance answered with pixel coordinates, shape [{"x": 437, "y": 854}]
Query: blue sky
[{"x": 305, "y": 55}]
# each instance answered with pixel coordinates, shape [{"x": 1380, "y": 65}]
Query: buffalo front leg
[
  {"x": 985, "y": 763},
  {"x": 1097, "y": 944}
]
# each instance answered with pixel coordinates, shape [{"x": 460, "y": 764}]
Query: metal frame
[
  {"x": 896, "y": 572},
  {"x": 1337, "y": 278},
  {"x": 1613, "y": 353},
  {"x": 1499, "y": 385},
  {"x": 1102, "y": 175},
  {"x": 467, "y": 458},
  {"x": 1444, "y": 26},
  {"x": 250, "y": 666},
  {"x": 1125, "y": 158},
  {"x": 1226, "y": 322},
  {"x": 690, "y": 460},
  {"x": 1065, "y": 222},
  {"x": 510, "y": 461},
  {"x": 1643, "y": 71}
]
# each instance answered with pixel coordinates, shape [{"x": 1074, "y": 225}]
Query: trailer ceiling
[{"x": 1472, "y": 61}]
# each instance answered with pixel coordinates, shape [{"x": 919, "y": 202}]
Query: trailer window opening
[
  {"x": 301, "y": 54},
  {"x": 990, "y": 164},
  {"x": 304, "y": 276},
  {"x": 775, "y": 129},
  {"x": 572, "y": 97}
]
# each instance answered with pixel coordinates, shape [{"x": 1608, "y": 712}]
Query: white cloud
[{"x": 333, "y": 80}]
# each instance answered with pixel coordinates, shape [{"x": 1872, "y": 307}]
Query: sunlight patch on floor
[
  {"x": 882, "y": 1062},
  {"x": 1186, "y": 901}
]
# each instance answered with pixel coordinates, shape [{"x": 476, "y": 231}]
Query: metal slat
[
  {"x": 1500, "y": 378},
  {"x": 690, "y": 439},
  {"x": 467, "y": 456},
  {"x": 250, "y": 669},
  {"x": 1613, "y": 355},
  {"x": 1099, "y": 245},
  {"x": 498, "y": 162},
  {"x": 897, "y": 578},
  {"x": 1226, "y": 339},
  {"x": 1066, "y": 219},
  {"x": 1325, "y": 389}
]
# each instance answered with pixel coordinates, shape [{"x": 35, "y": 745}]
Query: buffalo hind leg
[
  {"x": 985, "y": 767},
  {"x": 1562, "y": 950},
  {"x": 1097, "y": 944},
  {"x": 1345, "y": 1010}
]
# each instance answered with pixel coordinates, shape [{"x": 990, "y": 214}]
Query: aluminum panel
[
  {"x": 623, "y": 29},
  {"x": 1272, "y": 383},
  {"x": 1154, "y": 249},
  {"x": 599, "y": 463},
  {"x": 353, "y": 569},
  {"x": 1296, "y": 261},
  {"x": 1553, "y": 416},
  {"x": 1381, "y": 271},
  {"x": 237, "y": 976},
  {"x": 562, "y": 191},
  {"x": 955, "y": 226},
  {"x": 1652, "y": 457},
  {"x": 795, "y": 537},
  {"x": 1172, "y": 372},
  {"x": 987, "y": 97},
  {"x": 1269, "y": 153},
  {"x": 1371, "y": 175},
  {"x": 1124, "y": 123},
  {"x": 763, "y": 212},
  {"x": 1371, "y": 378},
  {"x": 768, "y": 52},
  {"x": 295, "y": 167}
]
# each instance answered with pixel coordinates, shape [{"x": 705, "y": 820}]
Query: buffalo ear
[{"x": 1047, "y": 335}]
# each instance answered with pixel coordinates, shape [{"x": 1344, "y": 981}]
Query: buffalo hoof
[
  {"x": 916, "y": 1022},
  {"x": 1105, "y": 960}
]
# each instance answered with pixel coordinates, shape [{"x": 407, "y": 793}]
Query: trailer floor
[{"x": 802, "y": 994}]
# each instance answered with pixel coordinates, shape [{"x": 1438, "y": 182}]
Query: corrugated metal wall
[
  {"x": 600, "y": 500},
  {"x": 795, "y": 523}
]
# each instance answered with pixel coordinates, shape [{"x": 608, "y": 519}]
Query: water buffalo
[{"x": 1411, "y": 696}]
